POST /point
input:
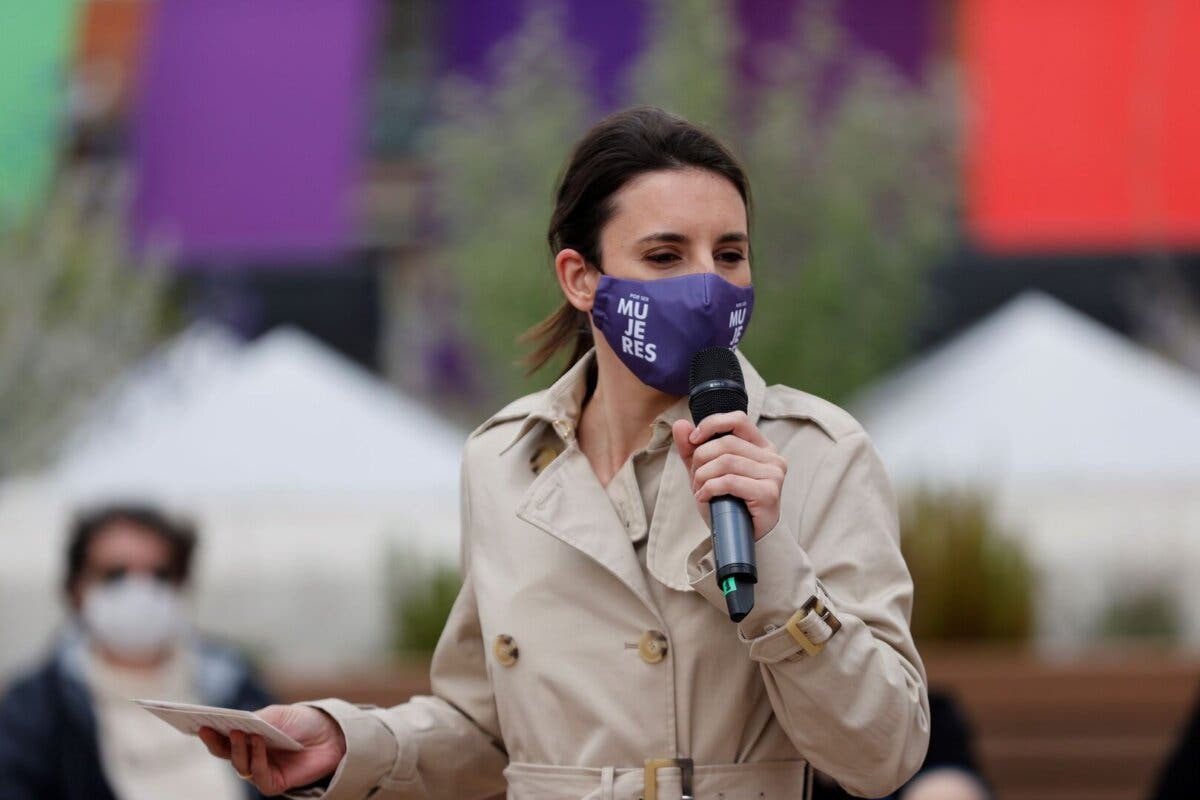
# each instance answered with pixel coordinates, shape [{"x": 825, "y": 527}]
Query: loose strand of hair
[{"x": 567, "y": 325}]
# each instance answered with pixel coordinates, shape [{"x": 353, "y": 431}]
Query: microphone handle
[{"x": 733, "y": 553}]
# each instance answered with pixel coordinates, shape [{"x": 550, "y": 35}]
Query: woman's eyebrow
[
  {"x": 679, "y": 238},
  {"x": 664, "y": 236}
]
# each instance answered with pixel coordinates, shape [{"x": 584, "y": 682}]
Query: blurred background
[{"x": 264, "y": 264}]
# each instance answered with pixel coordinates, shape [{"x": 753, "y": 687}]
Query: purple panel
[
  {"x": 613, "y": 31},
  {"x": 248, "y": 128},
  {"x": 607, "y": 35},
  {"x": 899, "y": 30},
  {"x": 471, "y": 28}
]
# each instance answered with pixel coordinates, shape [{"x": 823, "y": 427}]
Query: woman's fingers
[
  {"x": 239, "y": 752},
  {"x": 681, "y": 430},
  {"x": 751, "y": 490},
  {"x": 735, "y": 422},
  {"x": 732, "y": 444},
  {"x": 260, "y": 767},
  {"x": 761, "y": 498},
  {"x": 734, "y": 464},
  {"x": 217, "y": 744}
]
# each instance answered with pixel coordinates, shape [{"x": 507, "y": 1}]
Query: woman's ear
[{"x": 576, "y": 279}]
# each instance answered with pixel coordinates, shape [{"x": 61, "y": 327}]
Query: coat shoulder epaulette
[
  {"x": 518, "y": 409},
  {"x": 784, "y": 402}
]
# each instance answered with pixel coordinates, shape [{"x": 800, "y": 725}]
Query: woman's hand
[
  {"x": 276, "y": 771},
  {"x": 743, "y": 464}
]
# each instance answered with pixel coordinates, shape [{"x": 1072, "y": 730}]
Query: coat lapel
[{"x": 567, "y": 501}]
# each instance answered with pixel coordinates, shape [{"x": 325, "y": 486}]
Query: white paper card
[{"x": 191, "y": 718}]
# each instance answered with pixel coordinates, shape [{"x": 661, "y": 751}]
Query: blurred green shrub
[
  {"x": 855, "y": 175},
  {"x": 75, "y": 311},
  {"x": 423, "y": 596},
  {"x": 971, "y": 580},
  {"x": 1147, "y": 614}
]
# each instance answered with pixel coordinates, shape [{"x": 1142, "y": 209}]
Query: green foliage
[
  {"x": 854, "y": 199},
  {"x": 421, "y": 603},
  {"x": 1150, "y": 614},
  {"x": 497, "y": 153},
  {"x": 852, "y": 167},
  {"x": 74, "y": 313},
  {"x": 972, "y": 582},
  {"x": 685, "y": 68}
]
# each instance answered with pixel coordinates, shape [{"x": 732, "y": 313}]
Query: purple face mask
[{"x": 655, "y": 327}]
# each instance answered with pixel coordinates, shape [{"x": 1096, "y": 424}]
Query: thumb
[
  {"x": 276, "y": 714},
  {"x": 681, "y": 430}
]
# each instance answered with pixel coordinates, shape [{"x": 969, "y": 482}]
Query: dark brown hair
[
  {"x": 617, "y": 149},
  {"x": 180, "y": 536}
]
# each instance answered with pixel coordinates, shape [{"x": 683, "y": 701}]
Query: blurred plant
[
  {"x": 421, "y": 602},
  {"x": 496, "y": 151},
  {"x": 855, "y": 174},
  {"x": 1150, "y": 613},
  {"x": 74, "y": 312},
  {"x": 972, "y": 581},
  {"x": 685, "y": 68}
]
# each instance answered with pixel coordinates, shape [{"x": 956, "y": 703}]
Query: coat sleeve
[
  {"x": 444, "y": 745},
  {"x": 857, "y": 710}
]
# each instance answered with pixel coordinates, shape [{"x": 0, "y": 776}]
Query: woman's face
[{"x": 676, "y": 222}]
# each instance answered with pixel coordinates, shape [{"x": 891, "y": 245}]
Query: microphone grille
[{"x": 712, "y": 364}]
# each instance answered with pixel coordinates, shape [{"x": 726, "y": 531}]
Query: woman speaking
[{"x": 590, "y": 653}]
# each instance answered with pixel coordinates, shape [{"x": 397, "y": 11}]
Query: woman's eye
[
  {"x": 732, "y": 257},
  {"x": 663, "y": 258}
]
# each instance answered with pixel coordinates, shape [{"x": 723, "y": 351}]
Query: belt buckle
[{"x": 653, "y": 765}]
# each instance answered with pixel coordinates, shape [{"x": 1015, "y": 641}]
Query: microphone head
[{"x": 716, "y": 382}]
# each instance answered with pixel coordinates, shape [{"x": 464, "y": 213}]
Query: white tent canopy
[
  {"x": 1037, "y": 391},
  {"x": 1087, "y": 445},
  {"x": 292, "y": 416},
  {"x": 305, "y": 474}
]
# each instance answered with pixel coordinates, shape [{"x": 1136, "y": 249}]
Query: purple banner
[{"x": 248, "y": 128}]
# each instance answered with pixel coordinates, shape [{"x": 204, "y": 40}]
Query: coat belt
[{"x": 761, "y": 780}]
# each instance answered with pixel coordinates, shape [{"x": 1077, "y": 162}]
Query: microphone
[{"x": 717, "y": 387}]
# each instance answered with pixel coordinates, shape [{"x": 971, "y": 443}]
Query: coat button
[
  {"x": 505, "y": 650},
  {"x": 652, "y": 647},
  {"x": 542, "y": 459}
]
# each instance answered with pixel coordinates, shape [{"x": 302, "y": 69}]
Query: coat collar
[{"x": 552, "y": 501}]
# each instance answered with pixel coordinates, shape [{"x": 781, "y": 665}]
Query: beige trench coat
[{"x": 557, "y": 674}]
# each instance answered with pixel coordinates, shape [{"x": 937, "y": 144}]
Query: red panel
[{"x": 1083, "y": 123}]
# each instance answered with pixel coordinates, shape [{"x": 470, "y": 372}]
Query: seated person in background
[
  {"x": 949, "y": 772},
  {"x": 68, "y": 730}
]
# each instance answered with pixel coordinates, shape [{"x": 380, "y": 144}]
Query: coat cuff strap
[{"x": 786, "y": 598}]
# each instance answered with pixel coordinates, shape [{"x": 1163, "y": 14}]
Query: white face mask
[{"x": 136, "y": 616}]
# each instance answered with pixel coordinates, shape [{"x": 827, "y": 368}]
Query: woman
[{"x": 590, "y": 653}]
